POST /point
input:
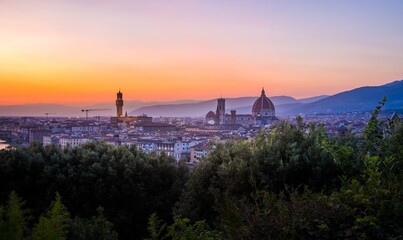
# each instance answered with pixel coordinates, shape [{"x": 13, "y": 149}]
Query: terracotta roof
[
  {"x": 263, "y": 104},
  {"x": 210, "y": 114}
]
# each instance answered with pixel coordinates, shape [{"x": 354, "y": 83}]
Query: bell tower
[
  {"x": 220, "y": 112},
  {"x": 119, "y": 104}
]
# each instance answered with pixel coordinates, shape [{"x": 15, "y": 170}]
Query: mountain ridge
[{"x": 355, "y": 100}]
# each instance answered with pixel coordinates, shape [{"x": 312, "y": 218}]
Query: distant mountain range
[
  {"x": 356, "y": 100},
  {"x": 242, "y": 105}
]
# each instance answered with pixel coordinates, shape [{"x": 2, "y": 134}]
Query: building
[
  {"x": 263, "y": 110},
  {"x": 36, "y": 135},
  {"x": 210, "y": 118},
  {"x": 127, "y": 119},
  {"x": 263, "y": 113},
  {"x": 198, "y": 152},
  {"x": 220, "y": 112},
  {"x": 51, "y": 140},
  {"x": 66, "y": 141},
  {"x": 156, "y": 127},
  {"x": 165, "y": 146},
  {"x": 83, "y": 127},
  {"x": 119, "y": 104},
  {"x": 116, "y": 142},
  {"x": 182, "y": 149},
  {"x": 147, "y": 146}
]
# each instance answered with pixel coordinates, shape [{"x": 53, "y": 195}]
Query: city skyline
[{"x": 74, "y": 52}]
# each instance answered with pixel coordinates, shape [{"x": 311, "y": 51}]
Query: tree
[
  {"x": 98, "y": 227},
  {"x": 54, "y": 224},
  {"x": 14, "y": 225},
  {"x": 156, "y": 227},
  {"x": 373, "y": 135},
  {"x": 284, "y": 155},
  {"x": 181, "y": 229},
  {"x": 2, "y": 224}
]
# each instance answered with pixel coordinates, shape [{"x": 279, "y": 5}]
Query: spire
[{"x": 263, "y": 92}]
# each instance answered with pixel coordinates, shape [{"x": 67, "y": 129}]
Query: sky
[{"x": 84, "y": 51}]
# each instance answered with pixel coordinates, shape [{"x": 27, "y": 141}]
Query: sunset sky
[{"x": 83, "y": 51}]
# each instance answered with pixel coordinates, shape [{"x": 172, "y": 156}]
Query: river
[{"x": 3, "y": 144}]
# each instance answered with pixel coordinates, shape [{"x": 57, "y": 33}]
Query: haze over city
[{"x": 80, "y": 52}]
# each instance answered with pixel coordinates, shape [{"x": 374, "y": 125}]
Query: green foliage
[
  {"x": 128, "y": 183},
  {"x": 54, "y": 224},
  {"x": 373, "y": 134},
  {"x": 13, "y": 221},
  {"x": 181, "y": 229},
  {"x": 98, "y": 227},
  {"x": 294, "y": 156},
  {"x": 289, "y": 215},
  {"x": 346, "y": 154},
  {"x": 374, "y": 199},
  {"x": 369, "y": 206},
  {"x": 285, "y": 155},
  {"x": 365, "y": 204},
  {"x": 227, "y": 169},
  {"x": 156, "y": 227}
]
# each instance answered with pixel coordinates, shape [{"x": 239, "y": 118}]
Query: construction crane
[
  {"x": 48, "y": 113},
  {"x": 91, "y": 110}
]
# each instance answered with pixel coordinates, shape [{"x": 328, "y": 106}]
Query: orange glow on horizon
[
  {"x": 192, "y": 51},
  {"x": 101, "y": 86}
]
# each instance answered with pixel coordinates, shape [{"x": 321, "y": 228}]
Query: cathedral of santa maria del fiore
[{"x": 263, "y": 113}]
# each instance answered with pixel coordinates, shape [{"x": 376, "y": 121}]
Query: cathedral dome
[
  {"x": 263, "y": 106},
  {"x": 210, "y": 115}
]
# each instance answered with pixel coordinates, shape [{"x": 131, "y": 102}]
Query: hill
[{"x": 356, "y": 100}]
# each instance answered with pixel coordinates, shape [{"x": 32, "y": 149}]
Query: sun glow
[{"x": 171, "y": 51}]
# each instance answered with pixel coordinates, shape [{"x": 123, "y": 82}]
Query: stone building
[{"x": 263, "y": 113}]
